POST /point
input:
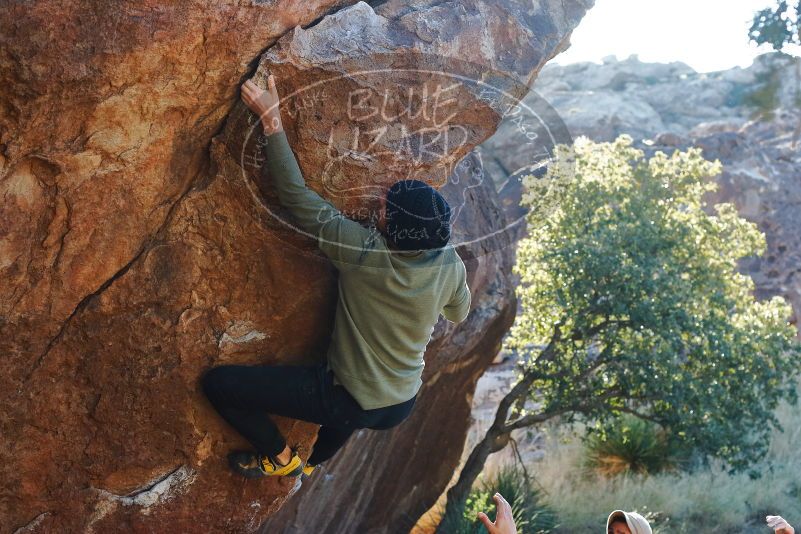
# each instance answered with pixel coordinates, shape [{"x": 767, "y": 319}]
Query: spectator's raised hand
[
  {"x": 263, "y": 103},
  {"x": 779, "y": 525},
  {"x": 504, "y": 524}
]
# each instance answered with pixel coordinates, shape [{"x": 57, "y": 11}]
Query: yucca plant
[
  {"x": 530, "y": 514},
  {"x": 630, "y": 445}
]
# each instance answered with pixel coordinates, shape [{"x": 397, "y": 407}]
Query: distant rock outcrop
[{"x": 136, "y": 250}]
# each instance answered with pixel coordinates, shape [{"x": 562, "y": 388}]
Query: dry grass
[{"x": 709, "y": 501}]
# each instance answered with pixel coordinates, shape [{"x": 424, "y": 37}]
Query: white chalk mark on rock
[
  {"x": 160, "y": 489},
  {"x": 157, "y": 490},
  {"x": 35, "y": 522},
  {"x": 238, "y": 333}
]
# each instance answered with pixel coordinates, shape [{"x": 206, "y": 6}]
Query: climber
[{"x": 395, "y": 278}]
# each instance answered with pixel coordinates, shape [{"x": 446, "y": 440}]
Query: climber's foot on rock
[
  {"x": 251, "y": 465},
  {"x": 307, "y": 471}
]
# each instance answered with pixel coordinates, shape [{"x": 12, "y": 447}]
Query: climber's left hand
[{"x": 265, "y": 104}]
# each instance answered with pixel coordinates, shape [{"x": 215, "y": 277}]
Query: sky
[{"x": 708, "y": 35}]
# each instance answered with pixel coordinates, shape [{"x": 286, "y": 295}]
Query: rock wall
[{"x": 137, "y": 248}]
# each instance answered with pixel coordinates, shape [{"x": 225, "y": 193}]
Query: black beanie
[{"x": 418, "y": 218}]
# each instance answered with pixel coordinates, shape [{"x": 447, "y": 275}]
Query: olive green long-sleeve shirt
[{"x": 389, "y": 301}]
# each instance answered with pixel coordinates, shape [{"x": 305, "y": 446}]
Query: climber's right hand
[{"x": 265, "y": 104}]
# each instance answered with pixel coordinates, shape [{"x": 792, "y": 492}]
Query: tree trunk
[
  {"x": 797, "y": 103},
  {"x": 494, "y": 440}
]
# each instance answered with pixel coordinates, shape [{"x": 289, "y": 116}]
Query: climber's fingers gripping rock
[{"x": 264, "y": 103}]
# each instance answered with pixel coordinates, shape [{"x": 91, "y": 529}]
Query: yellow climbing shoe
[{"x": 251, "y": 465}]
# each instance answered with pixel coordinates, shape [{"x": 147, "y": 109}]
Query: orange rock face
[{"x": 141, "y": 243}]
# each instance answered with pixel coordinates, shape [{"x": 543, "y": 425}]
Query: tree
[
  {"x": 631, "y": 303},
  {"x": 773, "y": 26}
]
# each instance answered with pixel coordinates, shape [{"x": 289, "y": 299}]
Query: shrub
[
  {"x": 530, "y": 514},
  {"x": 764, "y": 98},
  {"x": 630, "y": 445}
]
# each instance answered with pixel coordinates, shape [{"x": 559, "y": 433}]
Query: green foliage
[
  {"x": 630, "y": 445},
  {"x": 460, "y": 523},
  {"x": 631, "y": 279},
  {"x": 764, "y": 98},
  {"x": 775, "y": 27},
  {"x": 530, "y": 514},
  {"x": 675, "y": 501}
]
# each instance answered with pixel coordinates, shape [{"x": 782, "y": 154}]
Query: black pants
[{"x": 243, "y": 395}]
